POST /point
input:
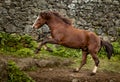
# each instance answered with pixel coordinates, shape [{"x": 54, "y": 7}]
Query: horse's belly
[
  {"x": 75, "y": 40},
  {"x": 74, "y": 44}
]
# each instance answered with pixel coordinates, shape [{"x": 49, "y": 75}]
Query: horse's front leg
[
  {"x": 48, "y": 40},
  {"x": 47, "y": 48}
]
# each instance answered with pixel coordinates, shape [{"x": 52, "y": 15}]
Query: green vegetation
[
  {"x": 116, "y": 48},
  {"x": 16, "y": 75},
  {"x": 118, "y": 34},
  {"x": 24, "y": 46},
  {"x": 64, "y": 51},
  {"x": 14, "y": 44}
]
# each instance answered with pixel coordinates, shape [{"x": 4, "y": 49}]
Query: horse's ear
[{"x": 45, "y": 15}]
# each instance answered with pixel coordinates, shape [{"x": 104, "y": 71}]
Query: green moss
[
  {"x": 25, "y": 52},
  {"x": 64, "y": 51},
  {"x": 16, "y": 75},
  {"x": 116, "y": 46},
  {"x": 18, "y": 45}
]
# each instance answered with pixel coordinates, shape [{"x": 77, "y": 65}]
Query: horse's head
[
  {"x": 46, "y": 17},
  {"x": 41, "y": 20}
]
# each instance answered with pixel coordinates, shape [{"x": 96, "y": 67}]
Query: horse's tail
[{"x": 108, "y": 48}]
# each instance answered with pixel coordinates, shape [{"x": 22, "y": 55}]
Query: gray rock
[
  {"x": 8, "y": 2},
  {"x": 71, "y": 6},
  {"x": 88, "y": 14},
  {"x": 109, "y": 1},
  {"x": 10, "y": 28}
]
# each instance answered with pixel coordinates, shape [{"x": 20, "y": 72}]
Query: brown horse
[{"x": 64, "y": 33}]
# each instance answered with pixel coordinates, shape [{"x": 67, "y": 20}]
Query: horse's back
[{"x": 93, "y": 38}]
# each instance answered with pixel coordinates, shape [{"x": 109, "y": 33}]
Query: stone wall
[{"x": 100, "y": 16}]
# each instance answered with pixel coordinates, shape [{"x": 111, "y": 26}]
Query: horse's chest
[{"x": 58, "y": 35}]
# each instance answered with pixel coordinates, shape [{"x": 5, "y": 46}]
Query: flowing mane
[
  {"x": 66, "y": 20},
  {"x": 47, "y": 14}
]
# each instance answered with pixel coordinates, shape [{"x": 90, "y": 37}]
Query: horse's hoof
[
  {"x": 37, "y": 51},
  {"x": 50, "y": 50},
  {"x": 92, "y": 74},
  {"x": 76, "y": 70}
]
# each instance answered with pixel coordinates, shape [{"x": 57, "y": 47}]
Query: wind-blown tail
[{"x": 108, "y": 48}]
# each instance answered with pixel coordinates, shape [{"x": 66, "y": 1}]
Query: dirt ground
[
  {"x": 65, "y": 74},
  {"x": 57, "y": 70}
]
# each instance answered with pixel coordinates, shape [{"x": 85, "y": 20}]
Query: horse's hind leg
[
  {"x": 95, "y": 58},
  {"x": 83, "y": 62},
  {"x": 93, "y": 53}
]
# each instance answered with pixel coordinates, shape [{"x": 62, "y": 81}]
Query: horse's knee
[
  {"x": 83, "y": 62},
  {"x": 97, "y": 62},
  {"x": 49, "y": 49},
  {"x": 37, "y": 50},
  {"x": 95, "y": 58}
]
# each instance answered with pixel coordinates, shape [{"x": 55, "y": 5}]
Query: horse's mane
[
  {"x": 66, "y": 20},
  {"x": 49, "y": 13}
]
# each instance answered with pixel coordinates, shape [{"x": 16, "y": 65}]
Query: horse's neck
[{"x": 56, "y": 24}]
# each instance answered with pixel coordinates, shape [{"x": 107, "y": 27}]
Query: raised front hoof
[
  {"x": 50, "y": 50},
  {"x": 37, "y": 51},
  {"x": 76, "y": 70},
  {"x": 92, "y": 74}
]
